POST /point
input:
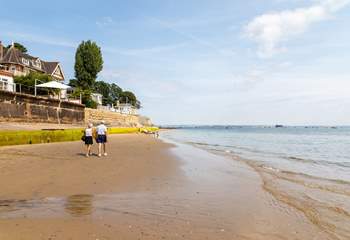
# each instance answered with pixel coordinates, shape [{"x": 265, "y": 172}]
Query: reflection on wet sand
[
  {"x": 75, "y": 205},
  {"x": 9, "y": 205},
  {"x": 79, "y": 205}
]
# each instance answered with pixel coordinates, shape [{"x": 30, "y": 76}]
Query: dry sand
[{"x": 144, "y": 189}]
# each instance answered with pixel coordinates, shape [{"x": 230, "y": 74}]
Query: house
[
  {"x": 126, "y": 108},
  {"x": 97, "y": 98},
  {"x": 6, "y": 81},
  {"x": 21, "y": 64}
]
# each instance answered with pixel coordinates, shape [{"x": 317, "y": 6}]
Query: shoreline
[
  {"x": 146, "y": 188},
  {"x": 323, "y": 201}
]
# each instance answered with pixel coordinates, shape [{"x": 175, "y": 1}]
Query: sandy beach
[{"x": 144, "y": 189}]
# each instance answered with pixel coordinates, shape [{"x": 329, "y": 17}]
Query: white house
[
  {"x": 6, "y": 81},
  {"x": 126, "y": 108},
  {"x": 96, "y": 97}
]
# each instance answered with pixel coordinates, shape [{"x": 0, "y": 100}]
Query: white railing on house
[{"x": 123, "y": 109}]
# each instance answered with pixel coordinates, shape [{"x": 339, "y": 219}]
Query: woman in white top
[{"x": 88, "y": 139}]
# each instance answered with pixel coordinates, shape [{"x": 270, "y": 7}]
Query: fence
[
  {"x": 30, "y": 90},
  {"x": 125, "y": 109}
]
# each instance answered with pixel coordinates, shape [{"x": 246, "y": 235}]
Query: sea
[{"x": 306, "y": 167}]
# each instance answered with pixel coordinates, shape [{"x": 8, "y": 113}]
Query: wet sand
[{"x": 144, "y": 189}]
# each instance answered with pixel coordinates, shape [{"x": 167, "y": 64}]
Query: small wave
[
  {"x": 242, "y": 148},
  {"x": 304, "y": 175},
  {"x": 203, "y": 144},
  {"x": 319, "y": 162},
  {"x": 271, "y": 168},
  {"x": 213, "y": 148},
  {"x": 329, "y": 218}
]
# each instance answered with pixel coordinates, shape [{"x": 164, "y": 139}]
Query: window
[
  {"x": 36, "y": 63},
  {"x": 3, "y": 83},
  {"x": 25, "y": 61}
]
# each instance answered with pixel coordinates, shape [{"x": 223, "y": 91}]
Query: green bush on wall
[{"x": 46, "y": 136}]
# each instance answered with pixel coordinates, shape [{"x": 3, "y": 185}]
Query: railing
[
  {"x": 121, "y": 110},
  {"x": 21, "y": 88}
]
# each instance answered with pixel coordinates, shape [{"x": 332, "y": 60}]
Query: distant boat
[{"x": 278, "y": 126}]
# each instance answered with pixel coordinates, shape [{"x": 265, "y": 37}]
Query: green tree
[
  {"x": 104, "y": 89},
  {"x": 73, "y": 83},
  {"x": 20, "y": 47},
  {"x": 110, "y": 92},
  {"x": 88, "y": 63},
  {"x": 85, "y": 97},
  {"x": 115, "y": 92},
  {"x": 129, "y": 97}
]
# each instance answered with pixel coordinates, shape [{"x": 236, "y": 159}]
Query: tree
[
  {"x": 20, "y": 47},
  {"x": 88, "y": 63},
  {"x": 73, "y": 83},
  {"x": 103, "y": 88},
  {"x": 129, "y": 97},
  {"x": 110, "y": 92},
  {"x": 115, "y": 92}
]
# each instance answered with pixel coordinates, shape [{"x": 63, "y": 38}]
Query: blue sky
[{"x": 205, "y": 61}]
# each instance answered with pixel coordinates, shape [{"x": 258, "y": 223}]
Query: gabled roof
[
  {"x": 49, "y": 67},
  {"x": 10, "y": 56},
  {"x": 13, "y": 55}
]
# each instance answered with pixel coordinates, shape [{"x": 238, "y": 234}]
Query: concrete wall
[
  {"x": 115, "y": 119},
  {"x": 18, "y": 107}
]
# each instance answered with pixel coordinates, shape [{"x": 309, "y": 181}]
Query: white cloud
[
  {"x": 105, "y": 21},
  {"x": 271, "y": 29}
]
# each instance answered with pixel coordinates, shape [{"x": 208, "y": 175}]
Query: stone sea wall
[
  {"x": 115, "y": 119},
  {"x": 17, "y": 107}
]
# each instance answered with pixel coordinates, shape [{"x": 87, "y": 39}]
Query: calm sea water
[
  {"x": 307, "y": 168},
  {"x": 316, "y": 151}
]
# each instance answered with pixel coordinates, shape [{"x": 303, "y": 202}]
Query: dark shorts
[
  {"x": 101, "y": 139},
  {"x": 88, "y": 140}
]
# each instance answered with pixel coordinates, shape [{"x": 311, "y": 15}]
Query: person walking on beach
[
  {"x": 101, "y": 138},
  {"x": 88, "y": 139}
]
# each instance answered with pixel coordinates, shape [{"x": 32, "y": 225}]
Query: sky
[{"x": 204, "y": 61}]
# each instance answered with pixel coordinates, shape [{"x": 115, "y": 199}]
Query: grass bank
[{"x": 46, "y": 136}]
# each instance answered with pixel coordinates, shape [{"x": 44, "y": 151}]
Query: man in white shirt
[{"x": 101, "y": 138}]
